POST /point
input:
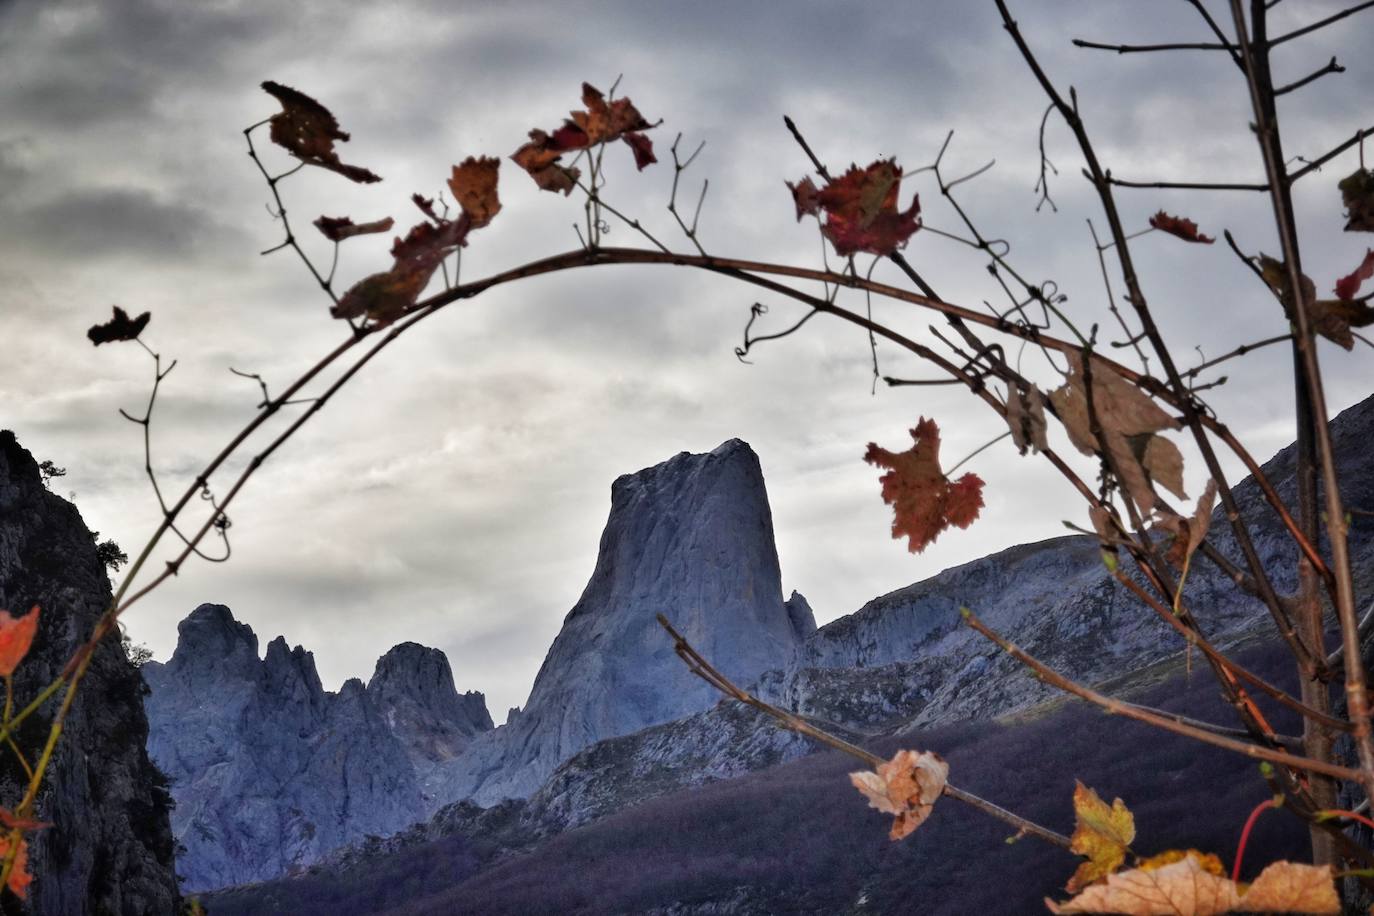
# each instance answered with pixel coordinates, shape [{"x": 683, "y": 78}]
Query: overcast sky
[{"x": 455, "y": 493}]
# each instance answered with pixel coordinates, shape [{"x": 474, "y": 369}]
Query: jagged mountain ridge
[
  {"x": 110, "y": 847},
  {"x": 270, "y": 771},
  {"x": 904, "y": 664}
]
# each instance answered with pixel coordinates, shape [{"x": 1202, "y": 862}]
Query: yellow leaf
[{"x": 1103, "y": 834}]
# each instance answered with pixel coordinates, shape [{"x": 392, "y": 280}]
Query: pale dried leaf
[
  {"x": 1164, "y": 463},
  {"x": 1291, "y": 887},
  {"x": 907, "y": 787},
  {"x": 1026, "y": 417},
  {"x": 1184, "y": 888}
]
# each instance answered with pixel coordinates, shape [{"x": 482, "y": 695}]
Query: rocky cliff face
[
  {"x": 413, "y": 690},
  {"x": 270, "y": 771},
  {"x": 691, "y": 538},
  {"x": 109, "y": 849}
]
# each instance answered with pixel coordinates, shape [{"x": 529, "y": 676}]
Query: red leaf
[
  {"x": 16, "y": 635},
  {"x": 600, "y": 122},
  {"x": 861, "y": 209},
  {"x": 120, "y": 327},
  {"x": 1185, "y": 229},
  {"x": 1349, "y": 285},
  {"x": 804, "y": 195},
  {"x": 924, "y": 501},
  {"x": 338, "y": 228},
  {"x": 386, "y": 296},
  {"x": 20, "y": 877},
  {"x": 307, "y": 130},
  {"x": 643, "y": 149}
]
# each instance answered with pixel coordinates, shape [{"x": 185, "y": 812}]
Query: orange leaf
[
  {"x": 861, "y": 209},
  {"x": 1185, "y": 229},
  {"x": 907, "y": 787},
  {"x": 474, "y": 187},
  {"x": 924, "y": 501},
  {"x": 20, "y": 878},
  {"x": 16, "y": 635},
  {"x": 120, "y": 327},
  {"x": 307, "y": 130},
  {"x": 338, "y": 228}
]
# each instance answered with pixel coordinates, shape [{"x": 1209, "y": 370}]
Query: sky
[{"x": 454, "y": 493}]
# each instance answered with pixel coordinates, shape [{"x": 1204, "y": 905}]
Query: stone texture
[
  {"x": 110, "y": 849},
  {"x": 691, "y": 538},
  {"x": 269, "y": 770},
  {"x": 413, "y": 689}
]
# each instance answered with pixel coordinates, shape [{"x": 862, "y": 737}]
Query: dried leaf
[
  {"x": 642, "y": 147},
  {"x": 601, "y": 122},
  {"x": 16, "y": 635},
  {"x": 338, "y": 228},
  {"x": 907, "y": 787},
  {"x": 1184, "y": 888},
  {"x": 120, "y": 327},
  {"x": 1331, "y": 318},
  {"x": 1189, "y": 533},
  {"x": 307, "y": 130},
  {"x": 426, "y": 205},
  {"x": 1102, "y": 833},
  {"x": 1291, "y": 887},
  {"x": 1185, "y": 229},
  {"x": 1208, "y": 862},
  {"x": 1129, "y": 419},
  {"x": 386, "y": 296},
  {"x": 1026, "y": 417},
  {"x": 1348, "y": 286},
  {"x": 806, "y": 197},
  {"x": 1194, "y": 885},
  {"x": 861, "y": 209},
  {"x": 1357, "y": 193},
  {"x": 924, "y": 501},
  {"x": 474, "y": 188}
]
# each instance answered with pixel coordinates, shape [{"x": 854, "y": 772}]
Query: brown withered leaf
[
  {"x": 1101, "y": 833},
  {"x": 385, "y": 296},
  {"x": 1189, "y": 533},
  {"x": 1194, "y": 885},
  {"x": 925, "y": 502},
  {"x": 120, "y": 327},
  {"x": 1348, "y": 287},
  {"x": 473, "y": 184},
  {"x": 1129, "y": 420},
  {"x": 601, "y": 121},
  {"x": 307, "y": 130},
  {"x": 1178, "y": 226},
  {"x": 1331, "y": 318},
  {"x": 338, "y": 228},
  {"x": 1026, "y": 417},
  {"x": 907, "y": 787},
  {"x": 1292, "y": 887},
  {"x": 541, "y": 162},
  {"x": 1357, "y": 193}
]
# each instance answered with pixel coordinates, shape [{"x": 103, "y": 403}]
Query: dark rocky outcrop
[{"x": 110, "y": 847}]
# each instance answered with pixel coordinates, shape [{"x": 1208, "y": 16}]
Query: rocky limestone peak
[
  {"x": 690, "y": 538},
  {"x": 211, "y": 635},
  {"x": 799, "y": 613},
  {"x": 412, "y": 676},
  {"x": 109, "y": 848},
  {"x": 290, "y": 679}
]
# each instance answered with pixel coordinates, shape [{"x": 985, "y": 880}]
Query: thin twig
[{"x": 703, "y": 669}]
